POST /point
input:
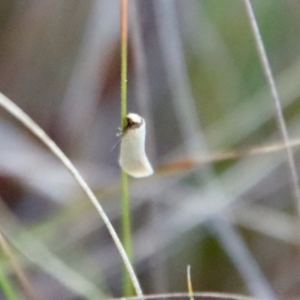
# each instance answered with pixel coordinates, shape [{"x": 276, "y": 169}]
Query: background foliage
[{"x": 195, "y": 75}]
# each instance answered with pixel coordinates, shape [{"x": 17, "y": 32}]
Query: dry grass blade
[
  {"x": 204, "y": 295},
  {"x": 271, "y": 82},
  {"x": 40, "y": 133},
  {"x": 30, "y": 294},
  {"x": 187, "y": 163}
]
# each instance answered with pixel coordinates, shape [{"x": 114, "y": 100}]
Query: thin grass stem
[
  {"x": 187, "y": 163},
  {"x": 27, "y": 287},
  {"x": 124, "y": 37},
  {"x": 126, "y": 219},
  {"x": 280, "y": 117},
  {"x": 126, "y": 233},
  {"x": 198, "y": 295}
]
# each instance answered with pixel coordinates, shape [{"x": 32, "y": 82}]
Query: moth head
[{"x": 133, "y": 121}]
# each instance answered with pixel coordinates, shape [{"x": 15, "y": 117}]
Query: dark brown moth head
[{"x": 133, "y": 121}]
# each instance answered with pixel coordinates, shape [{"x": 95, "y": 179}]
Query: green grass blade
[{"x": 6, "y": 286}]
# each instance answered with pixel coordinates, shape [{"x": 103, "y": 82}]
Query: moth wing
[{"x": 133, "y": 159}]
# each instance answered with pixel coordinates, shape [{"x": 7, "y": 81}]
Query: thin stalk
[
  {"x": 126, "y": 219},
  {"x": 6, "y": 286},
  {"x": 124, "y": 38},
  {"x": 126, "y": 234},
  {"x": 198, "y": 295},
  {"x": 280, "y": 117},
  {"x": 30, "y": 294}
]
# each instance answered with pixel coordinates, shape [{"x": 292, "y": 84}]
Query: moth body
[{"x": 133, "y": 159}]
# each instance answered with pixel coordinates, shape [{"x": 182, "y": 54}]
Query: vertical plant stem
[
  {"x": 6, "y": 286},
  {"x": 124, "y": 37},
  {"x": 126, "y": 220},
  {"x": 126, "y": 235}
]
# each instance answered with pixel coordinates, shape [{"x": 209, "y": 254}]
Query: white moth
[{"x": 133, "y": 159}]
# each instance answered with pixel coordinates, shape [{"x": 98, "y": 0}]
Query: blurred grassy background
[{"x": 194, "y": 74}]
